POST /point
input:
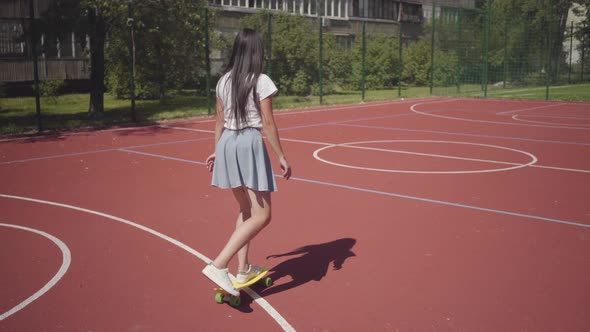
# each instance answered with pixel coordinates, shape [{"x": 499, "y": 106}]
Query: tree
[
  {"x": 90, "y": 19},
  {"x": 416, "y": 57},
  {"x": 531, "y": 25},
  {"x": 169, "y": 38},
  {"x": 295, "y": 50},
  {"x": 582, "y": 31},
  {"x": 381, "y": 61}
]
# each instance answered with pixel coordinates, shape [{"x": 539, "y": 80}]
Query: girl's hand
[
  {"x": 210, "y": 162},
  {"x": 285, "y": 167}
]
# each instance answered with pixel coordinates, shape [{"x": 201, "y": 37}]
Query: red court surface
[{"x": 419, "y": 215}]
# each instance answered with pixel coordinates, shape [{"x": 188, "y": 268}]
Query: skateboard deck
[{"x": 222, "y": 296}]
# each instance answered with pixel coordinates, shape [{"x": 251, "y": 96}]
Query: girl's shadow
[{"x": 313, "y": 264}]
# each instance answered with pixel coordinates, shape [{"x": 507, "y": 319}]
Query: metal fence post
[
  {"x": 459, "y": 46},
  {"x": 207, "y": 63},
  {"x": 269, "y": 45},
  {"x": 569, "y": 75},
  {"x": 486, "y": 49},
  {"x": 548, "y": 67},
  {"x": 321, "y": 23},
  {"x": 582, "y": 55},
  {"x": 432, "y": 49},
  {"x": 35, "y": 64},
  {"x": 504, "y": 74},
  {"x": 363, "y": 79},
  {"x": 401, "y": 63},
  {"x": 131, "y": 24}
]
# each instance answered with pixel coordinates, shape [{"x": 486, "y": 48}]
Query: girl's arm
[
  {"x": 219, "y": 121},
  {"x": 272, "y": 133}
]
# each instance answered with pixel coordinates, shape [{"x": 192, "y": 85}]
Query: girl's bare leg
[
  {"x": 241, "y": 197},
  {"x": 260, "y": 214}
]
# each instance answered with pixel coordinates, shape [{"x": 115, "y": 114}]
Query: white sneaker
[
  {"x": 253, "y": 271},
  {"x": 221, "y": 278}
]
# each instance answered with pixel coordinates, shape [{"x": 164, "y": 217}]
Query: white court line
[
  {"x": 188, "y": 129},
  {"x": 559, "y": 117},
  {"x": 530, "y": 109},
  {"x": 407, "y": 152},
  {"x": 562, "y": 169},
  {"x": 413, "y": 109},
  {"x": 422, "y": 199},
  {"x": 208, "y": 118},
  {"x": 515, "y": 117},
  {"x": 350, "y": 145},
  {"x": 262, "y": 302},
  {"x": 354, "y": 106},
  {"x": 65, "y": 264}
]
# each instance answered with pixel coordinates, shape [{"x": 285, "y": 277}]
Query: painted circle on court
[
  {"x": 66, "y": 260},
  {"x": 355, "y": 145},
  {"x": 432, "y": 114},
  {"x": 271, "y": 311}
]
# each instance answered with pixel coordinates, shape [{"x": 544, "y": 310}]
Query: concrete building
[
  {"x": 340, "y": 17},
  {"x": 59, "y": 58}
]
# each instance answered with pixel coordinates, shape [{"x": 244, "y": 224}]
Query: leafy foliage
[
  {"x": 169, "y": 44},
  {"x": 295, "y": 52},
  {"x": 381, "y": 61},
  {"x": 416, "y": 58},
  {"x": 51, "y": 89}
]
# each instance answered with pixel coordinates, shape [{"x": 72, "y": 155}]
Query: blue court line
[
  {"x": 384, "y": 193},
  {"x": 341, "y": 123},
  {"x": 56, "y": 156},
  {"x": 162, "y": 156},
  {"x": 463, "y": 134},
  {"x": 102, "y": 151},
  {"x": 188, "y": 140},
  {"x": 319, "y": 124}
]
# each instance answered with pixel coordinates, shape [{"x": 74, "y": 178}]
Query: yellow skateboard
[{"x": 222, "y": 296}]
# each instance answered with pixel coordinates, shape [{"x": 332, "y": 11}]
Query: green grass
[
  {"x": 18, "y": 115},
  {"x": 577, "y": 92},
  {"x": 69, "y": 112}
]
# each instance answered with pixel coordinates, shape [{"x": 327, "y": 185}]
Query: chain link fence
[{"x": 162, "y": 58}]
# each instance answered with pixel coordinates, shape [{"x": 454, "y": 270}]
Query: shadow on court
[{"x": 311, "y": 264}]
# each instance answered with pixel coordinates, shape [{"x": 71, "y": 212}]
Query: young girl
[{"x": 241, "y": 161}]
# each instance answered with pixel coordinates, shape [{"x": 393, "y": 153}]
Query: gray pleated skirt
[{"x": 241, "y": 159}]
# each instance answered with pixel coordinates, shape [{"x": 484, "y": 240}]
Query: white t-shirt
[{"x": 264, "y": 87}]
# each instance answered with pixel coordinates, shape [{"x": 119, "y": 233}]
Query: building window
[
  {"x": 329, "y": 8},
  {"x": 11, "y": 44},
  {"x": 411, "y": 12},
  {"x": 51, "y": 47},
  {"x": 376, "y": 9},
  {"x": 344, "y": 41}
]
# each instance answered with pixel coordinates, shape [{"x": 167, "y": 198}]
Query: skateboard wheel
[
  {"x": 219, "y": 298},
  {"x": 268, "y": 282},
  {"x": 234, "y": 301}
]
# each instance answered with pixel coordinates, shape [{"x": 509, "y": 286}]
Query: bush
[
  {"x": 50, "y": 89},
  {"x": 117, "y": 80},
  {"x": 446, "y": 66},
  {"x": 416, "y": 59},
  {"x": 294, "y": 51},
  {"x": 381, "y": 61},
  {"x": 2, "y": 92}
]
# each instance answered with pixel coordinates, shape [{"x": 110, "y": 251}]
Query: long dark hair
[{"x": 244, "y": 68}]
